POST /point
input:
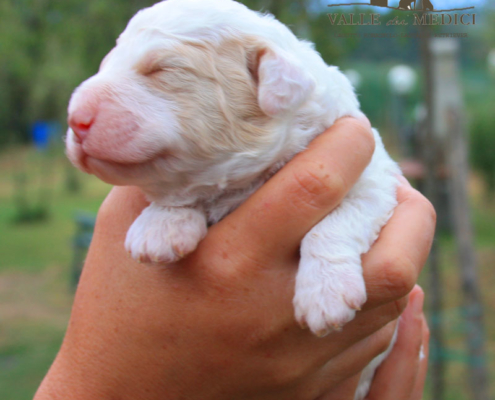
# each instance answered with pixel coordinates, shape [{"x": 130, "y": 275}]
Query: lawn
[{"x": 35, "y": 270}]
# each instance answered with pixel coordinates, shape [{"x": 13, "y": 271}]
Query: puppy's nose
[{"x": 80, "y": 121}]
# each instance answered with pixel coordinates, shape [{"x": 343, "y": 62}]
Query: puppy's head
[{"x": 195, "y": 91}]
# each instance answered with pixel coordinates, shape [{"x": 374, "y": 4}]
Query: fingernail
[{"x": 418, "y": 302}]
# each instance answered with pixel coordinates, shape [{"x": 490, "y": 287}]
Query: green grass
[
  {"x": 35, "y": 263},
  {"x": 25, "y": 360},
  {"x": 454, "y": 326},
  {"x": 31, "y": 247}
]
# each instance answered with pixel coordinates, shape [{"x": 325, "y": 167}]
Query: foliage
[
  {"x": 307, "y": 24},
  {"x": 489, "y": 28},
  {"x": 47, "y": 49},
  {"x": 483, "y": 144}
]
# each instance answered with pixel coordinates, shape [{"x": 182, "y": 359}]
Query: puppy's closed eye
[{"x": 153, "y": 63}]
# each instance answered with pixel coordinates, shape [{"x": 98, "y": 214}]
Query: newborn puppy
[{"x": 199, "y": 103}]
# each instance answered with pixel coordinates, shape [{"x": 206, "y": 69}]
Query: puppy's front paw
[
  {"x": 164, "y": 234},
  {"x": 328, "y": 294}
]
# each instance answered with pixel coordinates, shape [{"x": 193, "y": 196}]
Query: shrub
[{"x": 482, "y": 132}]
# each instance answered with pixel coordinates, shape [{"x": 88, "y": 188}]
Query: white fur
[
  {"x": 284, "y": 84},
  {"x": 200, "y": 102},
  {"x": 164, "y": 234}
]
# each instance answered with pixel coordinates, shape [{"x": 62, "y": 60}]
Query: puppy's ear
[{"x": 283, "y": 83}]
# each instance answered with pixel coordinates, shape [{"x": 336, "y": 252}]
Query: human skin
[
  {"x": 403, "y": 374},
  {"x": 219, "y": 324}
]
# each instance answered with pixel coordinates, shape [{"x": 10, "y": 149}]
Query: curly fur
[{"x": 199, "y": 103}]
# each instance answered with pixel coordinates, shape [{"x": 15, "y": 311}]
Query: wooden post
[
  {"x": 431, "y": 154},
  {"x": 451, "y": 127}
]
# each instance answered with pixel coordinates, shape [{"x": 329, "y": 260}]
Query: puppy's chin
[
  {"x": 120, "y": 174},
  {"x": 114, "y": 173},
  {"x": 75, "y": 153}
]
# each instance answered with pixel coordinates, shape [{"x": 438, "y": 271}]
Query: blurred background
[{"x": 432, "y": 99}]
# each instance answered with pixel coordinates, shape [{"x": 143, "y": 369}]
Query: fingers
[
  {"x": 344, "y": 391},
  {"x": 418, "y": 390},
  {"x": 356, "y": 358},
  {"x": 277, "y": 216},
  {"x": 392, "y": 266},
  {"x": 402, "y": 375},
  {"x": 369, "y": 322},
  {"x": 361, "y": 340},
  {"x": 339, "y": 378}
]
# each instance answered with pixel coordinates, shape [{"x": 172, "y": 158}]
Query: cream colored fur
[{"x": 200, "y": 102}]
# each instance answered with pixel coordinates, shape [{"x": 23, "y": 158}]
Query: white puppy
[{"x": 200, "y": 102}]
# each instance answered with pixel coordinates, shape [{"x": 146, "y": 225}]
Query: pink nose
[{"x": 80, "y": 121}]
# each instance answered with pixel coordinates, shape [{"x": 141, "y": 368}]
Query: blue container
[
  {"x": 41, "y": 135},
  {"x": 44, "y": 132}
]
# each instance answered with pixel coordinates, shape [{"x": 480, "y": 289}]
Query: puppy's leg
[
  {"x": 329, "y": 286},
  {"x": 165, "y": 234}
]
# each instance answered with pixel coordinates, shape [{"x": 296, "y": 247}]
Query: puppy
[{"x": 202, "y": 101}]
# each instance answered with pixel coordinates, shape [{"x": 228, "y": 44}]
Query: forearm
[{"x": 66, "y": 381}]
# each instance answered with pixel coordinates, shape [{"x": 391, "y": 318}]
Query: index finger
[
  {"x": 392, "y": 266},
  {"x": 308, "y": 188}
]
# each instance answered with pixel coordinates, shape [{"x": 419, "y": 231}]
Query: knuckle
[
  {"x": 399, "y": 307},
  {"x": 399, "y": 275},
  {"x": 287, "y": 375},
  {"x": 367, "y": 140},
  {"x": 430, "y": 211},
  {"x": 363, "y": 134},
  {"x": 426, "y": 207},
  {"x": 316, "y": 187}
]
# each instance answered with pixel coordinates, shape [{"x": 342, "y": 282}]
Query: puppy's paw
[
  {"x": 164, "y": 234},
  {"x": 328, "y": 294}
]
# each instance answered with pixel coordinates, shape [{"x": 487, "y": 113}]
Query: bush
[{"x": 483, "y": 144}]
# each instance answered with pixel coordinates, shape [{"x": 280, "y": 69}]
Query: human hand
[
  {"x": 402, "y": 376},
  {"x": 219, "y": 324}
]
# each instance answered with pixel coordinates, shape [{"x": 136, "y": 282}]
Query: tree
[{"x": 47, "y": 49}]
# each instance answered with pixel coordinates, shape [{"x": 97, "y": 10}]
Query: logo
[
  {"x": 417, "y": 12},
  {"x": 404, "y": 5}
]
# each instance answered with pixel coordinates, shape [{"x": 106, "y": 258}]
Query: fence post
[
  {"x": 432, "y": 158},
  {"x": 449, "y": 124}
]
